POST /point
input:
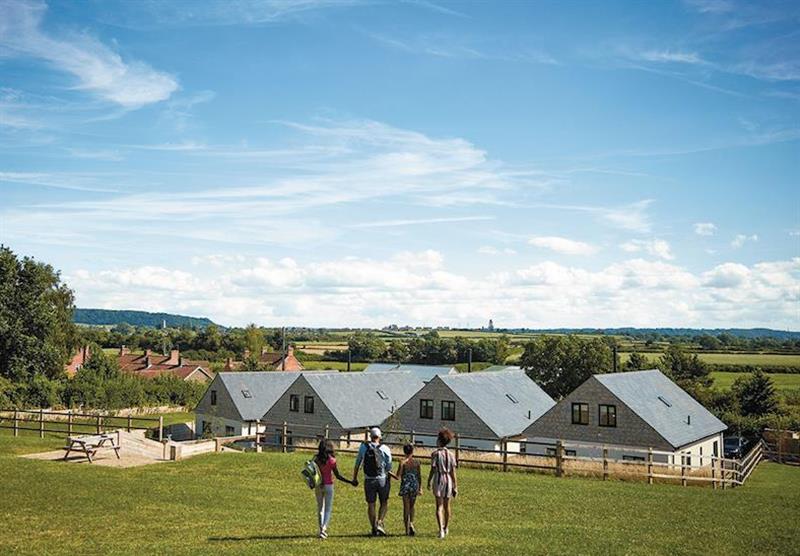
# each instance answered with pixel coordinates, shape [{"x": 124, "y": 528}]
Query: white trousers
[{"x": 324, "y": 505}]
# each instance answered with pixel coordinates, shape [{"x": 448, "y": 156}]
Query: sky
[{"x": 364, "y": 163}]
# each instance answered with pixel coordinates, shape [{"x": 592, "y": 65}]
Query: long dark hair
[{"x": 324, "y": 452}]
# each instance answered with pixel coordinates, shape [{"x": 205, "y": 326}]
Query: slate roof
[
  {"x": 487, "y": 394},
  {"x": 664, "y": 405},
  {"x": 424, "y": 372},
  {"x": 265, "y": 389},
  {"x": 354, "y": 398}
]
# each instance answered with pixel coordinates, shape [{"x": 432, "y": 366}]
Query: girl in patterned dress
[
  {"x": 443, "y": 477},
  {"x": 410, "y": 486}
]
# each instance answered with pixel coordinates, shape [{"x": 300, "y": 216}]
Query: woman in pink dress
[{"x": 443, "y": 478}]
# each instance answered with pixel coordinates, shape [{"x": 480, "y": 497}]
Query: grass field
[
  {"x": 333, "y": 365},
  {"x": 257, "y": 503},
  {"x": 754, "y": 359},
  {"x": 782, "y": 382}
]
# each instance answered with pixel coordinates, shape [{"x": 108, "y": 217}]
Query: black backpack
[{"x": 373, "y": 460}]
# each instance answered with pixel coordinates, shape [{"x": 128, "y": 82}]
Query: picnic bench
[{"x": 90, "y": 445}]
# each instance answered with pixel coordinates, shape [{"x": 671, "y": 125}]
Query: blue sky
[{"x": 355, "y": 163}]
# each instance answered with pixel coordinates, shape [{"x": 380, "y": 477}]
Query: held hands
[{"x": 354, "y": 482}]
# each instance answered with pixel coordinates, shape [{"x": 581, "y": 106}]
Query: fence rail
[
  {"x": 68, "y": 423},
  {"x": 711, "y": 470}
]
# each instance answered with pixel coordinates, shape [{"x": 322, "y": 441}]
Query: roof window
[
  {"x": 247, "y": 394},
  {"x": 382, "y": 395}
]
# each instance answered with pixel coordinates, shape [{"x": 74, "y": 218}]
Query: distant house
[
  {"x": 624, "y": 411},
  {"x": 345, "y": 402},
  {"x": 150, "y": 365},
  {"x": 78, "y": 360},
  {"x": 234, "y": 401},
  {"x": 487, "y": 406},
  {"x": 424, "y": 372},
  {"x": 270, "y": 360}
]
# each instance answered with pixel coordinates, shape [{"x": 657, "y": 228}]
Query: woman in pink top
[{"x": 326, "y": 462}]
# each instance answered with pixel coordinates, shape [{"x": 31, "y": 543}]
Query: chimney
[
  {"x": 229, "y": 363},
  {"x": 180, "y": 360},
  {"x": 174, "y": 357},
  {"x": 124, "y": 351},
  {"x": 147, "y": 360},
  {"x": 148, "y": 352}
]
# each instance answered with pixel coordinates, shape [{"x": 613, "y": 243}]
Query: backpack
[
  {"x": 310, "y": 473},
  {"x": 373, "y": 460}
]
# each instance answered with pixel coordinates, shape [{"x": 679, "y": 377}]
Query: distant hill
[
  {"x": 137, "y": 318},
  {"x": 737, "y": 332}
]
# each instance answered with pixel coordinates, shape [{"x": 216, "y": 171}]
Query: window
[
  {"x": 523, "y": 448},
  {"x": 247, "y": 394},
  {"x": 608, "y": 415},
  {"x": 715, "y": 450},
  {"x": 308, "y": 404},
  {"x": 632, "y": 458},
  {"x": 570, "y": 453},
  {"x": 448, "y": 411},
  {"x": 205, "y": 426},
  {"x": 213, "y": 397},
  {"x": 382, "y": 395},
  {"x": 229, "y": 431},
  {"x": 512, "y": 398},
  {"x": 580, "y": 414},
  {"x": 426, "y": 409},
  {"x": 294, "y": 403}
]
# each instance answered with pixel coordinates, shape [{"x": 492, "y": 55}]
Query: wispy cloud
[
  {"x": 705, "y": 228},
  {"x": 76, "y": 182},
  {"x": 741, "y": 239},
  {"x": 562, "y": 245},
  {"x": 494, "y": 251},
  {"x": 419, "y": 221},
  {"x": 671, "y": 56},
  {"x": 98, "y": 69},
  {"x": 655, "y": 247}
]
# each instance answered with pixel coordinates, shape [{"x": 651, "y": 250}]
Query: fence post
[
  {"x": 559, "y": 458},
  {"x": 780, "y": 445},
  {"x": 605, "y": 463},
  {"x": 69, "y": 423},
  {"x": 217, "y": 444},
  {"x": 258, "y": 436},
  {"x": 683, "y": 470},
  {"x": 160, "y": 428},
  {"x": 458, "y": 446},
  {"x": 722, "y": 472},
  {"x": 504, "y": 449},
  {"x": 348, "y": 440},
  {"x": 41, "y": 423},
  {"x": 16, "y": 423},
  {"x": 650, "y": 465},
  {"x": 284, "y": 443},
  {"x": 97, "y": 419},
  {"x": 130, "y": 422},
  {"x": 714, "y": 463}
]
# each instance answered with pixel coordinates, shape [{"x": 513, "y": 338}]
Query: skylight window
[
  {"x": 512, "y": 398},
  {"x": 665, "y": 401},
  {"x": 382, "y": 395},
  {"x": 247, "y": 394}
]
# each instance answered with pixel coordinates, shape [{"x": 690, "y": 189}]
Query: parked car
[{"x": 735, "y": 447}]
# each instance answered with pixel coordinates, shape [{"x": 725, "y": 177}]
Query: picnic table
[{"x": 90, "y": 445}]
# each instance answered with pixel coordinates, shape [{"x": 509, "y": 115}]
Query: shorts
[{"x": 377, "y": 489}]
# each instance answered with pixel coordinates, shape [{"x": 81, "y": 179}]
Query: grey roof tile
[
  {"x": 664, "y": 405},
  {"x": 265, "y": 389}
]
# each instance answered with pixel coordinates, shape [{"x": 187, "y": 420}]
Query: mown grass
[
  {"x": 256, "y": 503},
  {"x": 782, "y": 381}
]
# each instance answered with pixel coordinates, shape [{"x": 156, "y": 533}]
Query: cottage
[
  {"x": 235, "y": 401},
  {"x": 423, "y": 372},
  {"x": 270, "y": 361},
  {"x": 344, "y": 402},
  {"x": 626, "y": 411},
  {"x": 487, "y": 406},
  {"x": 150, "y": 365}
]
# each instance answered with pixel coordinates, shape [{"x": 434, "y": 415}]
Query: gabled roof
[
  {"x": 664, "y": 405},
  {"x": 265, "y": 388},
  {"x": 364, "y": 399},
  {"x": 424, "y": 372},
  {"x": 501, "y": 399}
]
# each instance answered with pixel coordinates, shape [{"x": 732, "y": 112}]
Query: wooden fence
[
  {"x": 69, "y": 423},
  {"x": 782, "y": 446},
  {"x": 558, "y": 458}
]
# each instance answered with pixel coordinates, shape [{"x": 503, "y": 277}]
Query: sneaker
[
  {"x": 441, "y": 533},
  {"x": 411, "y": 530},
  {"x": 324, "y": 533},
  {"x": 380, "y": 530}
]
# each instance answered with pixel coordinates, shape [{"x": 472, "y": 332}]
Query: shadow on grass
[{"x": 288, "y": 537}]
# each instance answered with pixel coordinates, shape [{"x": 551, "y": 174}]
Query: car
[{"x": 734, "y": 447}]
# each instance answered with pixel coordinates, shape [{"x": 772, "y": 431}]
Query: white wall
[{"x": 218, "y": 425}]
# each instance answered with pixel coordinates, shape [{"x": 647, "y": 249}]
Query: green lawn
[
  {"x": 782, "y": 381},
  {"x": 257, "y": 504}
]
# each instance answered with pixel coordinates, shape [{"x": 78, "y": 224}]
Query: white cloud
[
  {"x": 671, "y": 56},
  {"x": 655, "y": 247},
  {"x": 562, "y": 245},
  {"x": 97, "y": 67},
  {"x": 419, "y": 221},
  {"x": 704, "y": 228},
  {"x": 491, "y": 250},
  {"x": 418, "y": 288},
  {"x": 741, "y": 239}
]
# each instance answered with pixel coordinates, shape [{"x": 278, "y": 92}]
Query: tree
[
  {"x": 397, "y": 351},
  {"x": 254, "y": 339},
  {"x": 636, "y": 362},
  {"x": 37, "y": 336},
  {"x": 366, "y": 346},
  {"x": 688, "y": 370},
  {"x": 559, "y": 364},
  {"x": 755, "y": 394}
]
